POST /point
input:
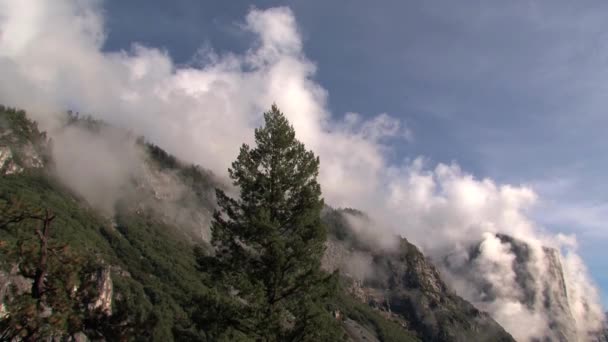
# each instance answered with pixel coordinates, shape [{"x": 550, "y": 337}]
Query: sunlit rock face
[
  {"x": 522, "y": 285},
  {"x": 16, "y": 154},
  {"x": 105, "y": 290}
]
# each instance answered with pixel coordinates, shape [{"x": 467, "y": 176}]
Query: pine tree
[
  {"x": 64, "y": 283},
  {"x": 269, "y": 241}
]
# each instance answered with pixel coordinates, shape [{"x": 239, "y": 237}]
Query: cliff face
[
  {"x": 22, "y": 146},
  {"x": 402, "y": 284},
  {"x": 530, "y": 279}
]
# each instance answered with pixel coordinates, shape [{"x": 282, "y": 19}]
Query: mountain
[
  {"x": 125, "y": 239},
  {"x": 403, "y": 285},
  {"x": 539, "y": 287},
  {"x": 149, "y": 256}
]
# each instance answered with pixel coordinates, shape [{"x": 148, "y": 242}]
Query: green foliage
[
  {"x": 269, "y": 242},
  {"x": 23, "y": 130},
  {"x": 339, "y": 227},
  {"x": 57, "y": 304},
  {"x": 84, "y": 121},
  {"x": 386, "y": 330},
  {"x": 194, "y": 177},
  {"x": 158, "y": 277},
  {"x": 76, "y": 225},
  {"x": 164, "y": 159},
  {"x": 153, "y": 268},
  {"x": 21, "y": 137}
]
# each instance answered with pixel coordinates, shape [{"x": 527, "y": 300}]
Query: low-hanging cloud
[
  {"x": 98, "y": 166},
  {"x": 52, "y": 59}
]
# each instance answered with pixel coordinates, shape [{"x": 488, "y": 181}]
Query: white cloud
[
  {"x": 583, "y": 295},
  {"x": 51, "y": 59}
]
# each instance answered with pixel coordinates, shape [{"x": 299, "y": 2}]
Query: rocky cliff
[
  {"x": 526, "y": 277},
  {"x": 402, "y": 284},
  {"x": 21, "y": 144}
]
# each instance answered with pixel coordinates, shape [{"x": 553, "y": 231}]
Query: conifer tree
[{"x": 269, "y": 241}]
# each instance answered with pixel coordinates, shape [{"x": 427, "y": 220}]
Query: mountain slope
[
  {"x": 403, "y": 285},
  {"x": 145, "y": 241},
  {"x": 152, "y": 265}
]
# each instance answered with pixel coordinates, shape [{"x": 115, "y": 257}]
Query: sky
[
  {"x": 512, "y": 91},
  {"x": 445, "y": 122}
]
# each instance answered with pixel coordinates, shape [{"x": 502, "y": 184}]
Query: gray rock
[
  {"x": 105, "y": 289},
  {"x": 357, "y": 333},
  {"x": 539, "y": 291},
  {"x": 12, "y": 284},
  {"x": 404, "y": 286},
  {"x": 79, "y": 337}
]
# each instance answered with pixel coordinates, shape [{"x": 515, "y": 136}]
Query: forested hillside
[{"x": 150, "y": 267}]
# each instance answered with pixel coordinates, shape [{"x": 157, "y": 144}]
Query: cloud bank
[{"x": 52, "y": 59}]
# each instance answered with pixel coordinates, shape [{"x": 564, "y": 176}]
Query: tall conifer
[{"x": 269, "y": 241}]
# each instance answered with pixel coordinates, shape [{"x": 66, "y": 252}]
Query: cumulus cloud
[{"x": 51, "y": 59}]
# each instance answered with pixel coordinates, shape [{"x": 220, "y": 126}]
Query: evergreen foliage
[
  {"x": 64, "y": 285},
  {"x": 386, "y": 330},
  {"x": 24, "y": 129},
  {"x": 269, "y": 241}
]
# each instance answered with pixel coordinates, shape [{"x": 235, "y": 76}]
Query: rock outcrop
[
  {"x": 22, "y": 146},
  {"x": 12, "y": 284},
  {"x": 105, "y": 291}
]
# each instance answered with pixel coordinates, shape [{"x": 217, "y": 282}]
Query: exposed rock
[
  {"x": 352, "y": 262},
  {"x": 12, "y": 284},
  {"x": 404, "y": 286},
  {"x": 45, "y": 311},
  {"x": 79, "y": 337},
  {"x": 539, "y": 287},
  {"x": 162, "y": 192},
  {"x": 16, "y": 157},
  {"x": 31, "y": 158},
  {"x": 8, "y": 166},
  {"x": 6, "y": 155},
  {"x": 105, "y": 290},
  {"x": 358, "y": 333}
]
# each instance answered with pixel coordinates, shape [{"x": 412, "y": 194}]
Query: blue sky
[{"x": 514, "y": 91}]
